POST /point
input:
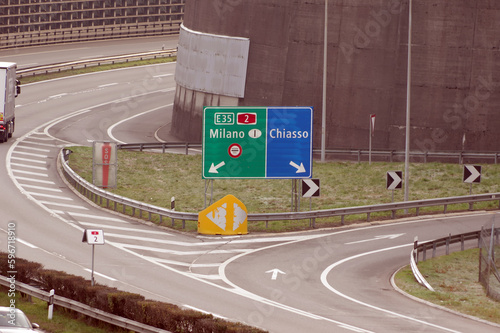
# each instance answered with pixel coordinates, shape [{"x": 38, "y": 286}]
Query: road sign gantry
[{"x": 257, "y": 142}]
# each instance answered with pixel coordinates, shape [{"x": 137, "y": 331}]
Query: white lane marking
[
  {"x": 44, "y": 138},
  {"x": 125, "y": 229},
  {"x": 376, "y": 238},
  {"x": 51, "y": 203},
  {"x": 27, "y": 166},
  {"x": 162, "y": 241},
  {"x": 34, "y": 180},
  {"x": 181, "y": 263},
  {"x": 30, "y": 154},
  {"x": 43, "y": 188},
  {"x": 212, "y": 277},
  {"x": 162, "y": 75},
  {"x": 28, "y": 160},
  {"x": 145, "y": 239},
  {"x": 179, "y": 253},
  {"x": 107, "y": 85},
  {"x": 36, "y": 194},
  {"x": 324, "y": 280},
  {"x": 247, "y": 294},
  {"x": 40, "y": 144},
  {"x": 240, "y": 291},
  {"x": 95, "y": 217},
  {"x": 42, "y": 150},
  {"x": 57, "y": 96},
  {"x": 110, "y": 129},
  {"x": 101, "y": 275},
  {"x": 30, "y": 173},
  {"x": 26, "y": 243}
]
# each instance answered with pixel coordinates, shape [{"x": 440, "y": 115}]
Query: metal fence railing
[
  {"x": 489, "y": 261},
  {"x": 446, "y": 242},
  {"x": 355, "y": 154}
]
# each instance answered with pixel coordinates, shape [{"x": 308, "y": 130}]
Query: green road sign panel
[{"x": 257, "y": 142}]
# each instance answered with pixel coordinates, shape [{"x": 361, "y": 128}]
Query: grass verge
[
  {"x": 454, "y": 278},
  {"x": 155, "y": 178},
  {"x": 92, "y": 69}
]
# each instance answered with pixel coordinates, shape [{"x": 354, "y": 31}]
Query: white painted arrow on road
[
  {"x": 376, "y": 238},
  {"x": 300, "y": 168},
  {"x": 213, "y": 168},
  {"x": 275, "y": 272}
]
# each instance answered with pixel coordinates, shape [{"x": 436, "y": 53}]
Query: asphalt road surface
[{"x": 336, "y": 280}]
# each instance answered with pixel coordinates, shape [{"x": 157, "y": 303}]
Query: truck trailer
[{"x": 9, "y": 90}]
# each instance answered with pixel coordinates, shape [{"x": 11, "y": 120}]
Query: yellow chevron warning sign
[{"x": 228, "y": 216}]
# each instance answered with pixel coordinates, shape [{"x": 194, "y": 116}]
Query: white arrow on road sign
[
  {"x": 394, "y": 179},
  {"x": 275, "y": 272},
  {"x": 300, "y": 168},
  {"x": 310, "y": 188},
  {"x": 213, "y": 168},
  {"x": 472, "y": 173}
]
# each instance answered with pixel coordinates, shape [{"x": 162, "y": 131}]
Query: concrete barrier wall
[{"x": 455, "y": 74}]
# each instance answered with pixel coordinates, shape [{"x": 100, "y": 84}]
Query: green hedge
[{"x": 166, "y": 316}]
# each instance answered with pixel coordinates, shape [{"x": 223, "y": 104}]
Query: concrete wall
[{"x": 455, "y": 67}]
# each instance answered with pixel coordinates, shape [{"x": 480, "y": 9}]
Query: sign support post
[
  {"x": 394, "y": 181},
  {"x": 92, "y": 273},
  {"x": 309, "y": 189}
]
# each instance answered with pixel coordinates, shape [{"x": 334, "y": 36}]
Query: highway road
[{"x": 335, "y": 280}]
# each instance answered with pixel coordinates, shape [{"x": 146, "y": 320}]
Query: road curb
[{"x": 404, "y": 293}]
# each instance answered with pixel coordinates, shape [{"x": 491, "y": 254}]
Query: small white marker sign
[{"x": 93, "y": 237}]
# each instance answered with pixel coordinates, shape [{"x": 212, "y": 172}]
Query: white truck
[{"x": 9, "y": 89}]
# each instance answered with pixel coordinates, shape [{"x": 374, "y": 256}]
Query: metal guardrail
[
  {"x": 416, "y": 272},
  {"x": 91, "y": 33},
  {"x": 444, "y": 241},
  {"x": 82, "y": 308},
  {"x": 358, "y": 154},
  {"x": 160, "y": 145},
  {"x": 422, "y": 156},
  {"x": 51, "y": 68},
  {"x": 99, "y": 195}
]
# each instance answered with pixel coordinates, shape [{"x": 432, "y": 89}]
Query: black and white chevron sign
[
  {"x": 394, "y": 180},
  {"x": 310, "y": 188},
  {"x": 472, "y": 173}
]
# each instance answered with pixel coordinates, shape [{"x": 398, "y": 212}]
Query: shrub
[{"x": 129, "y": 305}]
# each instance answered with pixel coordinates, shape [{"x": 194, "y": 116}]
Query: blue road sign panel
[{"x": 289, "y": 143}]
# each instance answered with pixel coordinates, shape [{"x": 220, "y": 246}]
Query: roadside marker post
[
  {"x": 93, "y": 237},
  {"x": 472, "y": 174},
  {"x": 394, "y": 181},
  {"x": 310, "y": 188}
]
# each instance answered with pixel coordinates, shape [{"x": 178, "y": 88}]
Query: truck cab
[{"x": 9, "y": 89}]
